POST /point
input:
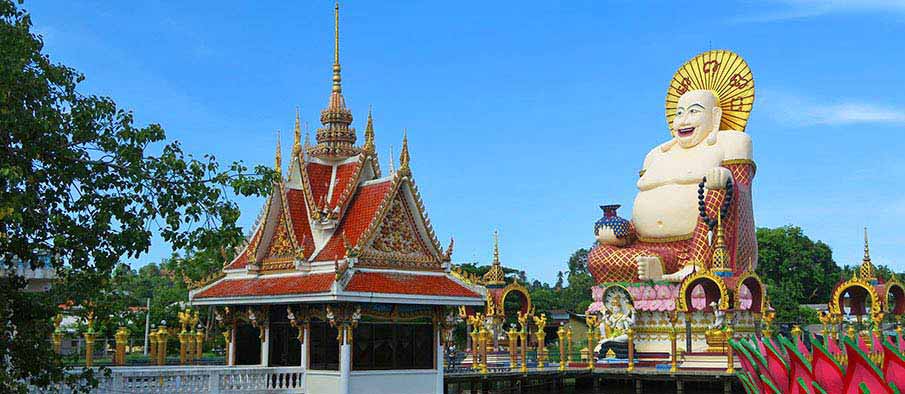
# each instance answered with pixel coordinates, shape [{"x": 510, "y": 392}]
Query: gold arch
[
  {"x": 724, "y": 73},
  {"x": 892, "y": 282},
  {"x": 738, "y": 291},
  {"x": 854, "y": 282},
  {"x": 682, "y": 305},
  {"x": 517, "y": 287}
]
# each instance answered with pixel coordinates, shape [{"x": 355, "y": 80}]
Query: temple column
[
  {"x": 345, "y": 359},
  {"x": 304, "y": 351},
  {"x": 438, "y": 357},
  {"x": 232, "y": 346},
  {"x": 265, "y": 346}
]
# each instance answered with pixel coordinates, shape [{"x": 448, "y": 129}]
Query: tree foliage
[
  {"x": 78, "y": 181},
  {"x": 795, "y": 269}
]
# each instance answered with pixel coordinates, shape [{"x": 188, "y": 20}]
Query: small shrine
[
  {"x": 866, "y": 295},
  {"x": 342, "y": 254},
  {"x": 673, "y": 280},
  {"x": 489, "y": 340}
]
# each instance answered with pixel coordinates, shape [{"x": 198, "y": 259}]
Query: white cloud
[
  {"x": 800, "y": 9},
  {"x": 803, "y": 111}
]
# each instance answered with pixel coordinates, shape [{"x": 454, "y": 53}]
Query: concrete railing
[{"x": 200, "y": 379}]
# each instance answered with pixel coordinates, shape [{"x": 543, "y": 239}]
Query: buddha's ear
[{"x": 717, "y": 117}]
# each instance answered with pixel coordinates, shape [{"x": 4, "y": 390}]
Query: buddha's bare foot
[
  {"x": 680, "y": 275},
  {"x": 649, "y": 267}
]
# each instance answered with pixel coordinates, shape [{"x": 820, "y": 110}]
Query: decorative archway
[
  {"x": 522, "y": 291},
  {"x": 714, "y": 289},
  {"x": 895, "y": 289},
  {"x": 858, "y": 290},
  {"x": 756, "y": 287}
]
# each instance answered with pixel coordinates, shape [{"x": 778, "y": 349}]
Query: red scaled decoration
[{"x": 786, "y": 366}]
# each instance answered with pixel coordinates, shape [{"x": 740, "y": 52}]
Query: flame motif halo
[{"x": 723, "y": 72}]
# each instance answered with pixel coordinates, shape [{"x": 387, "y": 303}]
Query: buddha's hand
[
  {"x": 649, "y": 267},
  {"x": 717, "y": 177}
]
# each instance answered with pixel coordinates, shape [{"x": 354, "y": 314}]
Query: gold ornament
[{"x": 724, "y": 73}]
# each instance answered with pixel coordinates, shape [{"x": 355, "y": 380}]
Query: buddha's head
[{"x": 698, "y": 115}]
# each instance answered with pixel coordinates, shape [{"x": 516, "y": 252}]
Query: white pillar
[
  {"x": 305, "y": 347},
  {"x": 439, "y": 361},
  {"x": 232, "y": 346},
  {"x": 345, "y": 363},
  {"x": 265, "y": 347}
]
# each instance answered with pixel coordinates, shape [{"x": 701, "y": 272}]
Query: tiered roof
[{"x": 335, "y": 228}]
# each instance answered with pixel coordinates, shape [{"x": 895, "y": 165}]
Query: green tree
[
  {"x": 795, "y": 269},
  {"x": 78, "y": 182}
]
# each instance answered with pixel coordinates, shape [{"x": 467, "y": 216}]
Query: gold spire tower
[
  {"x": 335, "y": 140},
  {"x": 495, "y": 276},
  {"x": 867, "y": 267}
]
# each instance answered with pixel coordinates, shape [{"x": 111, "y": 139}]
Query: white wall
[
  {"x": 322, "y": 382},
  {"x": 419, "y": 381}
]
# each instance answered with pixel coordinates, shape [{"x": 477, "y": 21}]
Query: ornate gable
[{"x": 398, "y": 238}]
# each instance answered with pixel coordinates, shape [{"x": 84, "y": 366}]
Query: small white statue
[
  {"x": 618, "y": 318},
  {"x": 719, "y": 317}
]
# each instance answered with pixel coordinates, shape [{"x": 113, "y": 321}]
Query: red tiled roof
[
  {"x": 319, "y": 177},
  {"x": 344, "y": 175},
  {"x": 395, "y": 283},
  {"x": 241, "y": 260},
  {"x": 356, "y": 220},
  {"x": 295, "y": 199},
  {"x": 269, "y": 286}
]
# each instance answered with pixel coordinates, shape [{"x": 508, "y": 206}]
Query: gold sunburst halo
[{"x": 724, "y": 73}]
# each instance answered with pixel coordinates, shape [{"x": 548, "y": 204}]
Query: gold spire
[
  {"x": 278, "y": 161},
  {"x": 404, "y": 155},
  {"x": 296, "y": 144},
  {"x": 867, "y": 267},
  {"x": 495, "y": 276},
  {"x": 337, "y": 79},
  {"x": 369, "y": 134},
  {"x": 335, "y": 140}
]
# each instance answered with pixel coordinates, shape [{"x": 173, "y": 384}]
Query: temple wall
[
  {"x": 652, "y": 330},
  {"x": 420, "y": 381},
  {"x": 322, "y": 382}
]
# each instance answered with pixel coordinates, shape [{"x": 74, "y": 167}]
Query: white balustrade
[{"x": 199, "y": 379}]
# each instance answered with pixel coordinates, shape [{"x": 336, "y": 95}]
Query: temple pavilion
[{"x": 342, "y": 274}]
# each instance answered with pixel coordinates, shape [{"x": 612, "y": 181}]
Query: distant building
[{"x": 38, "y": 279}]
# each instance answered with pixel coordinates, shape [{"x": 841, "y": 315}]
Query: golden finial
[
  {"x": 296, "y": 144},
  {"x": 278, "y": 165},
  {"x": 404, "y": 154},
  {"x": 369, "y": 133},
  {"x": 337, "y": 80},
  {"x": 867, "y": 267}
]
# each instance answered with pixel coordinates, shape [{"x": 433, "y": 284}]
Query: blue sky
[{"x": 522, "y": 116}]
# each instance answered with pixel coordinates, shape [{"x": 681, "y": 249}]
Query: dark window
[
  {"x": 248, "y": 345},
  {"x": 393, "y": 346},
  {"x": 285, "y": 350},
  {"x": 323, "y": 347}
]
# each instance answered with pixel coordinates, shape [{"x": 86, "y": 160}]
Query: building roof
[
  {"x": 397, "y": 283},
  {"x": 269, "y": 286}
]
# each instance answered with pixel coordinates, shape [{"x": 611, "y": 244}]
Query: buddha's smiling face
[{"x": 697, "y": 115}]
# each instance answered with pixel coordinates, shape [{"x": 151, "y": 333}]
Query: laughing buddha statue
[{"x": 696, "y": 181}]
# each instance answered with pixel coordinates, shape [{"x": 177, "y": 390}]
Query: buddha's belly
[{"x": 666, "y": 211}]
